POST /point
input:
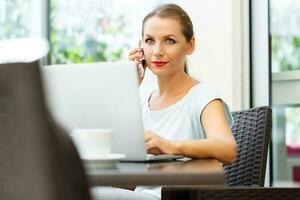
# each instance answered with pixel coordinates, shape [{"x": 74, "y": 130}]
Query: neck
[{"x": 173, "y": 84}]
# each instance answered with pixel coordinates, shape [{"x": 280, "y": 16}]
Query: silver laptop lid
[{"x": 98, "y": 95}]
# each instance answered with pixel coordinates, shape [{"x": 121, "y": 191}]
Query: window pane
[
  {"x": 286, "y": 143},
  {"x": 285, "y": 33},
  {"x": 14, "y": 18},
  {"x": 292, "y": 130},
  {"x": 285, "y": 29},
  {"x": 91, "y": 31}
]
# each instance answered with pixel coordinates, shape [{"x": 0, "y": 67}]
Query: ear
[{"x": 191, "y": 46}]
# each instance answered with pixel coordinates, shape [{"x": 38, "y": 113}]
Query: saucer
[{"x": 103, "y": 161}]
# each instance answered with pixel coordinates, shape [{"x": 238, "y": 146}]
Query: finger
[
  {"x": 133, "y": 56},
  {"x": 149, "y": 136},
  {"x": 136, "y": 57},
  {"x": 154, "y": 151},
  {"x": 150, "y": 144},
  {"x": 135, "y": 50}
]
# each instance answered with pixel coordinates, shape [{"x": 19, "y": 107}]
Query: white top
[{"x": 181, "y": 121}]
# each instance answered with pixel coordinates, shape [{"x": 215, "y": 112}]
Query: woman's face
[{"x": 165, "y": 46}]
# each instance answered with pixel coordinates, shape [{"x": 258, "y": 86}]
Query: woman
[{"x": 183, "y": 116}]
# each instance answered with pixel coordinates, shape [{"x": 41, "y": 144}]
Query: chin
[
  {"x": 160, "y": 73},
  {"x": 157, "y": 71}
]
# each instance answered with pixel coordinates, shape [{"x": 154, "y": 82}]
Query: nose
[{"x": 158, "y": 50}]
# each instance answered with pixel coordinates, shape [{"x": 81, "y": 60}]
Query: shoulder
[
  {"x": 202, "y": 92},
  {"x": 200, "y": 96},
  {"x": 206, "y": 97}
]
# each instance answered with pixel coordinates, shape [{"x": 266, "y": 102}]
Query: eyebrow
[{"x": 147, "y": 35}]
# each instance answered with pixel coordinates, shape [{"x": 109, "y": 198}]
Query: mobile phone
[{"x": 141, "y": 69}]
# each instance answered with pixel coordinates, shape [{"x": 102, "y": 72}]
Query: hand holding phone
[{"x": 141, "y": 69}]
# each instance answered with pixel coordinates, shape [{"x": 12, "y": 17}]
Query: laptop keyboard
[{"x": 151, "y": 157}]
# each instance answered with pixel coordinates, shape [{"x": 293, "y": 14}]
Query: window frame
[{"x": 260, "y": 65}]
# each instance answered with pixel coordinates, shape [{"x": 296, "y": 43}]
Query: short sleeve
[
  {"x": 201, "y": 97},
  {"x": 228, "y": 114}
]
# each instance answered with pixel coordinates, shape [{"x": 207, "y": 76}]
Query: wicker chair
[
  {"x": 251, "y": 130},
  {"x": 245, "y": 177}
]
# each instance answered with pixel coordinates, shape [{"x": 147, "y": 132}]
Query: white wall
[{"x": 218, "y": 56}]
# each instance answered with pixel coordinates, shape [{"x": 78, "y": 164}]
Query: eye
[
  {"x": 170, "y": 41},
  {"x": 149, "y": 41}
]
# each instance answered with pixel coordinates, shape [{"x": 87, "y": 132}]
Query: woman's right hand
[{"x": 137, "y": 55}]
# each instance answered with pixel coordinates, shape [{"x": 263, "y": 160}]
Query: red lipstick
[{"x": 159, "y": 63}]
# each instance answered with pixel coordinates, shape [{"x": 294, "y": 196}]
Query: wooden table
[{"x": 184, "y": 172}]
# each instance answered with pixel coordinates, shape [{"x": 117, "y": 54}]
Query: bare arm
[{"x": 219, "y": 144}]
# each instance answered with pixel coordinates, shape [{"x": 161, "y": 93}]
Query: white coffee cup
[{"x": 92, "y": 143}]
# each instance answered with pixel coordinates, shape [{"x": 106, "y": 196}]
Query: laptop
[{"x": 100, "y": 95}]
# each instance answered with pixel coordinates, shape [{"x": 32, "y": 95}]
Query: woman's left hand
[{"x": 158, "y": 145}]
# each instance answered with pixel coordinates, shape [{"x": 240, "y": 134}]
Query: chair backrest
[
  {"x": 251, "y": 130},
  {"x": 37, "y": 158}
]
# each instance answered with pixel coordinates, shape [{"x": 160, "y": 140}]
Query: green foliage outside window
[
  {"x": 66, "y": 49},
  {"x": 14, "y": 19},
  {"x": 286, "y": 53},
  {"x": 73, "y": 44}
]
